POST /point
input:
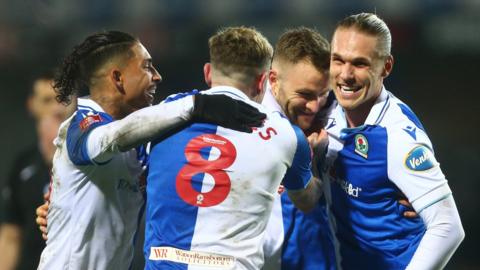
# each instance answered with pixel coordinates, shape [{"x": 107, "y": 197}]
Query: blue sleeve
[
  {"x": 300, "y": 173},
  {"x": 80, "y": 127},
  {"x": 180, "y": 95}
]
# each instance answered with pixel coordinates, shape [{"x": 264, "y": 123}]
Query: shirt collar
[
  {"x": 229, "y": 91},
  {"x": 374, "y": 116},
  {"x": 269, "y": 100},
  {"x": 85, "y": 103},
  {"x": 379, "y": 108}
]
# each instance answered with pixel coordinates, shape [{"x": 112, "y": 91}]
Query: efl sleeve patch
[
  {"x": 89, "y": 120},
  {"x": 420, "y": 158},
  {"x": 77, "y": 134}
]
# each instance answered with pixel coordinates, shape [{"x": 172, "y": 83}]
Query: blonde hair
[
  {"x": 371, "y": 24},
  {"x": 241, "y": 53}
]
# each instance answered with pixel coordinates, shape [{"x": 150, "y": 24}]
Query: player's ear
[
  {"x": 273, "y": 80},
  {"x": 261, "y": 83},
  {"x": 388, "y": 66},
  {"x": 207, "y": 74},
  {"x": 117, "y": 79},
  {"x": 259, "y": 87}
]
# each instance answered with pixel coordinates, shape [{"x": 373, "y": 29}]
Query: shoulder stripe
[
  {"x": 180, "y": 95},
  {"x": 383, "y": 110}
]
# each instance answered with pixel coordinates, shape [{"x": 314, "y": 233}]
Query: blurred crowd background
[{"x": 436, "y": 45}]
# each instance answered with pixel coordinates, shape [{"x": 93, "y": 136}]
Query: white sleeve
[
  {"x": 412, "y": 167},
  {"x": 444, "y": 234},
  {"x": 137, "y": 128}
]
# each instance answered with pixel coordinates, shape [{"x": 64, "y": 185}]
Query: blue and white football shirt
[
  {"x": 94, "y": 206},
  {"x": 368, "y": 167},
  {"x": 210, "y": 191},
  {"x": 294, "y": 239}
]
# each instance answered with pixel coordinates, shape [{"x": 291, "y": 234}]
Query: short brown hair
[
  {"x": 303, "y": 43},
  {"x": 370, "y": 24},
  {"x": 240, "y": 51}
]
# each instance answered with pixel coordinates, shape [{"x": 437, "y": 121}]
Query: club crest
[{"x": 361, "y": 145}]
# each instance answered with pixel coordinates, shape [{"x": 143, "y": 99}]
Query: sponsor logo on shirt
[
  {"x": 361, "y": 145},
  {"x": 191, "y": 257},
  {"x": 89, "y": 120},
  {"x": 348, "y": 187},
  {"x": 420, "y": 158},
  {"x": 411, "y": 131}
]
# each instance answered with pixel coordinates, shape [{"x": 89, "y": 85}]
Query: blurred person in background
[{"x": 29, "y": 178}]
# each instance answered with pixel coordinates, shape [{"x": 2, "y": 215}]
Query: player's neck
[
  {"x": 357, "y": 116},
  {"x": 231, "y": 83},
  {"x": 109, "y": 104}
]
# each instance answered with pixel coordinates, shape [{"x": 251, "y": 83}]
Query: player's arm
[
  {"x": 148, "y": 123},
  {"x": 414, "y": 170},
  {"x": 443, "y": 235},
  {"x": 303, "y": 185},
  {"x": 305, "y": 199}
]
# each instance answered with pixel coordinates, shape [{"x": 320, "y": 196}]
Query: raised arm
[{"x": 146, "y": 124}]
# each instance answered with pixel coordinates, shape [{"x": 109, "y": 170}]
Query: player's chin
[
  {"x": 305, "y": 122},
  {"x": 148, "y": 100}
]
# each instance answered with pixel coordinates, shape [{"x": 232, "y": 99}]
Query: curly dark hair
[{"x": 85, "y": 59}]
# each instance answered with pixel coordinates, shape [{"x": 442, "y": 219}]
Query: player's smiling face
[
  {"x": 356, "y": 70},
  {"x": 301, "y": 90},
  {"x": 141, "y": 78}
]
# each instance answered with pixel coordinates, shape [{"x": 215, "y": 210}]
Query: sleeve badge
[
  {"x": 90, "y": 120},
  {"x": 420, "y": 158}
]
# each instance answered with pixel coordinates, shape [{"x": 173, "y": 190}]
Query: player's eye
[
  {"x": 337, "y": 60},
  {"x": 361, "y": 64}
]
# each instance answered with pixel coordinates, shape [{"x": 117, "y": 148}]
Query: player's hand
[
  {"x": 319, "y": 143},
  {"x": 41, "y": 219},
  {"x": 409, "y": 211},
  {"x": 226, "y": 112}
]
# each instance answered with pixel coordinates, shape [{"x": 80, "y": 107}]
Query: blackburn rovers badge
[{"x": 361, "y": 145}]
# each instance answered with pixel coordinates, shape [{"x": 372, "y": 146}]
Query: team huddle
[{"x": 295, "y": 158}]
